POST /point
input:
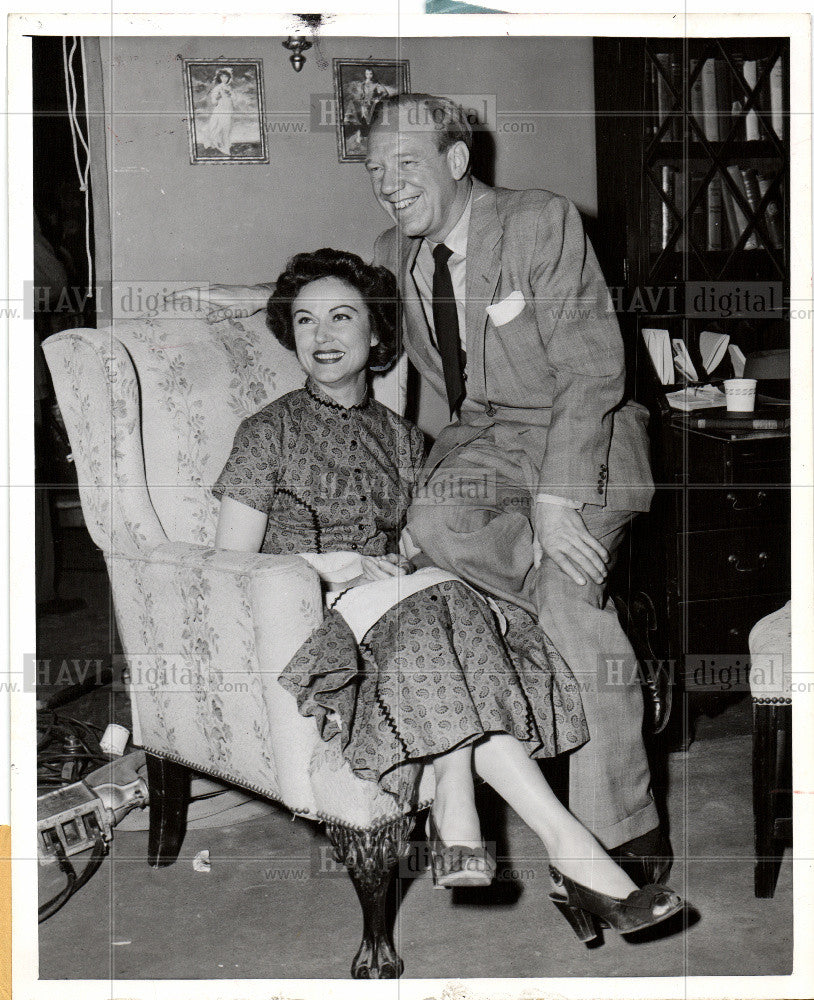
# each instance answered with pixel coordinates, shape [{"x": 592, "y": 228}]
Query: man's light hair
[{"x": 445, "y": 116}]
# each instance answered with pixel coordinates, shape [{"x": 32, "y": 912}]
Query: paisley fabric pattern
[
  {"x": 328, "y": 477},
  {"x": 432, "y": 674}
]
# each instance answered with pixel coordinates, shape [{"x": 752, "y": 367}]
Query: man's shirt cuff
[{"x": 559, "y": 501}]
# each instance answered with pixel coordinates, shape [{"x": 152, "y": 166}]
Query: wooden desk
[{"x": 714, "y": 554}]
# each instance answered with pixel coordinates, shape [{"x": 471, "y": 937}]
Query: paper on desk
[
  {"x": 738, "y": 360},
  {"x": 700, "y": 397},
  {"x": 658, "y": 346},
  {"x": 713, "y": 347},
  {"x": 683, "y": 361}
]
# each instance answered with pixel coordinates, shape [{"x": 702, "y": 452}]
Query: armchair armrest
[
  {"x": 236, "y": 618},
  {"x": 230, "y": 562}
]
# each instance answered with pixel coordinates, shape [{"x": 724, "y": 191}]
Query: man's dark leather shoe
[{"x": 646, "y": 859}]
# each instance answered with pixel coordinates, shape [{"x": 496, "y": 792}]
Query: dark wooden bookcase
[{"x": 712, "y": 556}]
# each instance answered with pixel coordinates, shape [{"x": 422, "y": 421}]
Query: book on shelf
[
  {"x": 696, "y": 209},
  {"x": 677, "y": 80},
  {"x": 762, "y": 101},
  {"x": 717, "y": 97},
  {"x": 715, "y": 217},
  {"x": 711, "y": 217},
  {"x": 738, "y": 96},
  {"x": 736, "y": 217},
  {"x": 776, "y": 98},
  {"x": 696, "y": 98},
  {"x": 654, "y": 219},
  {"x": 709, "y": 99},
  {"x": 771, "y": 215},
  {"x": 750, "y": 186},
  {"x": 668, "y": 187},
  {"x": 723, "y": 96},
  {"x": 670, "y": 70},
  {"x": 680, "y": 199},
  {"x": 729, "y": 216},
  {"x": 752, "y": 123},
  {"x": 653, "y": 77}
]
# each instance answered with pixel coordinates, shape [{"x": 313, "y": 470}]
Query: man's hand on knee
[{"x": 560, "y": 534}]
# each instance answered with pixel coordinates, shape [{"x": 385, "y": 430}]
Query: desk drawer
[
  {"x": 748, "y": 461},
  {"x": 732, "y": 563},
  {"x": 733, "y": 507},
  {"x": 722, "y": 627}
]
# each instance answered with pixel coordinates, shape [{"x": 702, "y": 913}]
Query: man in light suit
[{"x": 529, "y": 489}]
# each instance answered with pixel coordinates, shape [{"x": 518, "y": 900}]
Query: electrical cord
[
  {"x": 74, "y": 882},
  {"x": 68, "y": 751},
  {"x": 50, "y": 908},
  {"x": 66, "y": 743}
]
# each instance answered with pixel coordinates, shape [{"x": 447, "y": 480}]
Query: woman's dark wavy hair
[{"x": 376, "y": 285}]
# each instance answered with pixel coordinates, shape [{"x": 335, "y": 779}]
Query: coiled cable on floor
[
  {"x": 67, "y": 750},
  {"x": 74, "y": 882}
]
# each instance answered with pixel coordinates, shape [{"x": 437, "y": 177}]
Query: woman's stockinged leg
[
  {"x": 501, "y": 760},
  {"x": 454, "y": 811}
]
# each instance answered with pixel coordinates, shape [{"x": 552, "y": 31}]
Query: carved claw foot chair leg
[
  {"x": 168, "y": 784},
  {"x": 371, "y": 857}
]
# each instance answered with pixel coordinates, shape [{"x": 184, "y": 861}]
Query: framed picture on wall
[
  {"x": 359, "y": 85},
  {"x": 225, "y": 118}
]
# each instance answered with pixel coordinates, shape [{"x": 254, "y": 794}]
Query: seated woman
[{"x": 409, "y": 667}]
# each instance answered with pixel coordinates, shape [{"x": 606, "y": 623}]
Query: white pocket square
[{"x": 503, "y": 312}]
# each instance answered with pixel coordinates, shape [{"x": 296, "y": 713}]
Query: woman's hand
[
  {"x": 383, "y": 567},
  {"x": 378, "y": 568}
]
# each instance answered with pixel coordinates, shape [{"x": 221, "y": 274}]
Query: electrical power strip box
[{"x": 72, "y": 816}]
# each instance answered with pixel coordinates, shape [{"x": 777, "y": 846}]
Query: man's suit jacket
[{"x": 555, "y": 372}]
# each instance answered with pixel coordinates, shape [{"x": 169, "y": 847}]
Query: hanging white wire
[{"x": 76, "y": 133}]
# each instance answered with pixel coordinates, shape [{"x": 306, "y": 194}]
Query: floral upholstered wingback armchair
[{"x": 151, "y": 406}]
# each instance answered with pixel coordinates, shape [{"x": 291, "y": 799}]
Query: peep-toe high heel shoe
[
  {"x": 586, "y": 909},
  {"x": 456, "y": 864}
]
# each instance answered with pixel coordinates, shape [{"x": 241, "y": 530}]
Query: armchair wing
[{"x": 207, "y": 633}]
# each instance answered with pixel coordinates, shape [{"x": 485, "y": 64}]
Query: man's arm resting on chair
[{"x": 227, "y": 301}]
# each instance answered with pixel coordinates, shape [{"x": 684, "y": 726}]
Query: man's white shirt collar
[{"x": 456, "y": 238}]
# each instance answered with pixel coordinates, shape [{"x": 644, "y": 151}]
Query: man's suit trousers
[{"x": 472, "y": 516}]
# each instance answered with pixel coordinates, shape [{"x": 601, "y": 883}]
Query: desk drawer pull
[
  {"x": 734, "y": 502},
  {"x": 735, "y": 561}
]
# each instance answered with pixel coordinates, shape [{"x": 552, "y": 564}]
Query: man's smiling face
[{"x": 416, "y": 184}]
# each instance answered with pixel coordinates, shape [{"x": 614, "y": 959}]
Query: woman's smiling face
[{"x": 332, "y": 333}]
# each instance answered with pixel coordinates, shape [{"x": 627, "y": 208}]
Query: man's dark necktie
[{"x": 445, "y": 320}]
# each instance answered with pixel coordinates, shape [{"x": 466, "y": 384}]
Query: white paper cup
[
  {"x": 740, "y": 394},
  {"x": 114, "y": 739}
]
